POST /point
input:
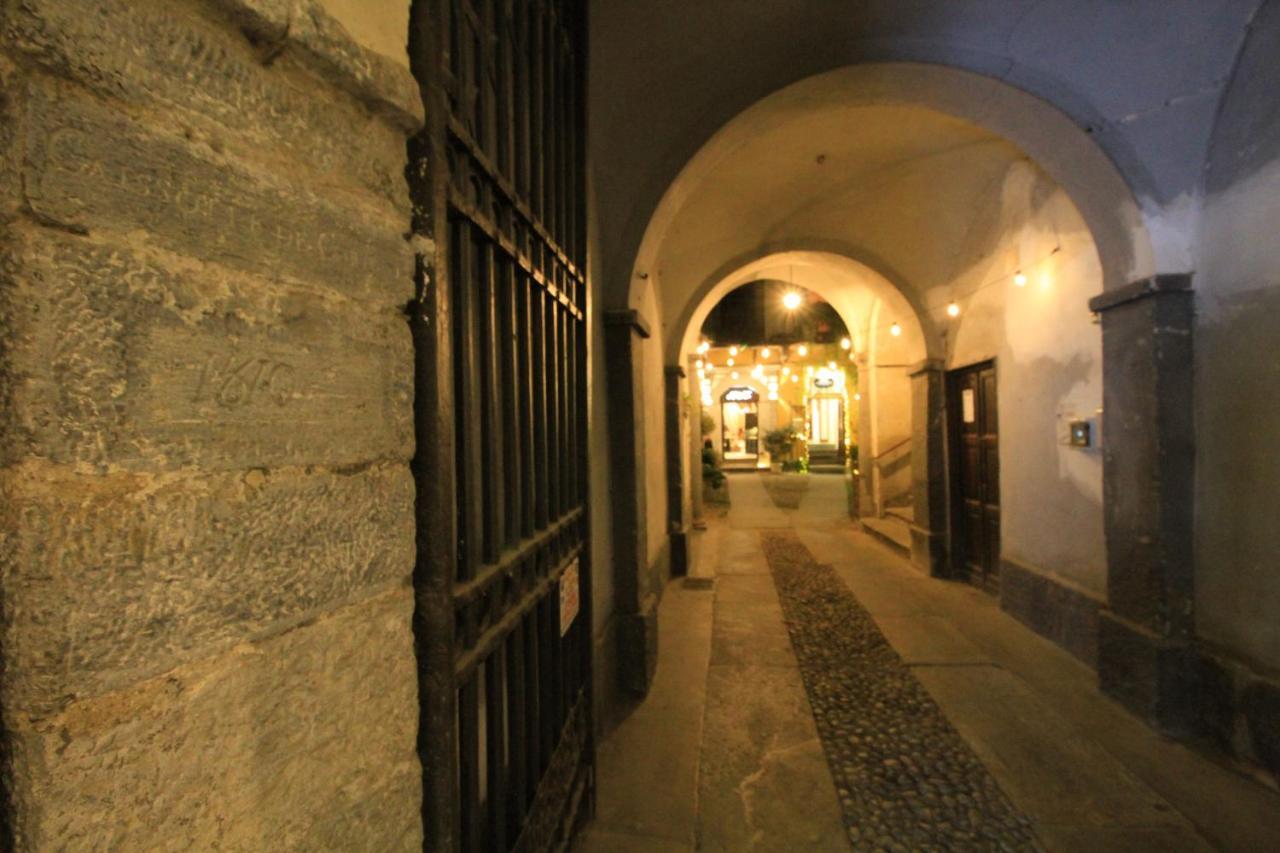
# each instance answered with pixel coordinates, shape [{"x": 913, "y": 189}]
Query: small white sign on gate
[{"x": 569, "y": 601}]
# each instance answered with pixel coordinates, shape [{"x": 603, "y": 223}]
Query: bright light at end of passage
[{"x": 791, "y": 301}]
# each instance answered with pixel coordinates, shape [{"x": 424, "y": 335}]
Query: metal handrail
[{"x": 880, "y": 456}]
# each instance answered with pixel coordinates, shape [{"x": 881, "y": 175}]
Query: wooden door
[
  {"x": 503, "y": 624},
  {"x": 975, "y": 474}
]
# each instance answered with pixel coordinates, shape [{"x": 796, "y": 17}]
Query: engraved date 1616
[{"x": 233, "y": 381}]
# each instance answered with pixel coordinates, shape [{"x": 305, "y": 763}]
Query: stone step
[
  {"x": 892, "y": 531},
  {"x": 906, "y": 513}
]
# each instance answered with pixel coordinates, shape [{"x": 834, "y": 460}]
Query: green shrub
[{"x": 779, "y": 441}]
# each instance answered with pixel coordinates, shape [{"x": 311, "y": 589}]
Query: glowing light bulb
[
  {"x": 729, "y": 362},
  {"x": 831, "y": 365},
  {"x": 857, "y": 396},
  {"x": 733, "y": 351},
  {"x": 845, "y": 343},
  {"x": 786, "y": 371},
  {"x": 1020, "y": 278},
  {"x": 698, "y": 364},
  {"x": 758, "y": 372},
  {"x": 733, "y": 375},
  {"x": 764, "y": 353},
  {"x": 795, "y": 378},
  {"x": 791, "y": 301},
  {"x": 953, "y": 310},
  {"x": 802, "y": 350},
  {"x": 895, "y": 330}
]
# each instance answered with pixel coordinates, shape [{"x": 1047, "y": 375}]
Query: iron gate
[{"x": 499, "y": 323}]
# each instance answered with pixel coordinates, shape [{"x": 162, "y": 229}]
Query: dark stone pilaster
[
  {"x": 624, "y": 334},
  {"x": 928, "y": 473},
  {"x": 676, "y": 410},
  {"x": 695, "y": 455},
  {"x": 1145, "y": 654},
  {"x": 865, "y": 464}
]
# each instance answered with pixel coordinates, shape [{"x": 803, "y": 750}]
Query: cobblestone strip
[{"x": 905, "y": 777}]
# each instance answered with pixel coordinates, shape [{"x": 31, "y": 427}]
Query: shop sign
[
  {"x": 740, "y": 395},
  {"x": 824, "y": 381}
]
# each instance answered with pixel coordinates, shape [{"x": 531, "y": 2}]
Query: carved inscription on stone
[
  {"x": 234, "y": 381},
  {"x": 150, "y": 361}
]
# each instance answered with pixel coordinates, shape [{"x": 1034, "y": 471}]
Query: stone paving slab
[{"x": 905, "y": 778}]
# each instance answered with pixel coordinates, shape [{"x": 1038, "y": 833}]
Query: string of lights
[{"x": 952, "y": 308}]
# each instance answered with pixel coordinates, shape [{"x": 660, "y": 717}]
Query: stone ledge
[
  {"x": 387, "y": 89},
  {"x": 628, "y": 319},
  {"x": 1154, "y": 286},
  {"x": 1053, "y": 608}
]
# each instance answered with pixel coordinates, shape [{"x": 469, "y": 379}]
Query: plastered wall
[
  {"x": 1237, "y": 379},
  {"x": 206, "y": 512},
  {"x": 1048, "y": 355}
]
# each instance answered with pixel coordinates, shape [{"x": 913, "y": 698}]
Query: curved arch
[
  {"x": 838, "y": 277},
  {"x": 1045, "y": 134}
]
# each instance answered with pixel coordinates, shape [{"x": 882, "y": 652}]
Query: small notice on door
[
  {"x": 970, "y": 411},
  {"x": 569, "y": 602}
]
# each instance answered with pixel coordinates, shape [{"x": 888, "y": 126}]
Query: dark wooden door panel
[
  {"x": 499, "y": 326},
  {"x": 975, "y": 473}
]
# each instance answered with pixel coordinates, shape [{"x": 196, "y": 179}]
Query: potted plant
[{"x": 779, "y": 443}]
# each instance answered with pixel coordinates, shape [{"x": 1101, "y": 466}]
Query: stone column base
[
  {"x": 929, "y": 551},
  {"x": 638, "y": 648},
  {"x": 681, "y": 553},
  {"x": 1155, "y": 677}
]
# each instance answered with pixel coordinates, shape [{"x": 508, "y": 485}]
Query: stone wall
[{"x": 206, "y": 523}]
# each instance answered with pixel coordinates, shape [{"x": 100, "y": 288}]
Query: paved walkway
[{"x": 725, "y": 753}]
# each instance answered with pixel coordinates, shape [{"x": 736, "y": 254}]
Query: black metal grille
[{"x": 500, "y": 332}]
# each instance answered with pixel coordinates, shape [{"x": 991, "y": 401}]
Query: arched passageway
[{"x": 974, "y": 221}]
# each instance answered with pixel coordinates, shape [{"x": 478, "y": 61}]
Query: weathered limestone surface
[
  {"x": 213, "y": 81},
  {"x": 111, "y": 579},
  {"x": 86, "y": 166},
  {"x": 206, "y": 511},
  {"x": 290, "y": 744},
  {"x": 142, "y": 359}
]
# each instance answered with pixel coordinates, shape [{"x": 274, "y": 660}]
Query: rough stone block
[
  {"x": 195, "y": 68},
  {"x": 109, "y": 580},
  {"x": 303, "y": 741},
  {"x": 147, "y": 361},
  {"x": 1154, "y": 677},
  {"x": 1052, "y": 609},
  {"x": 87, "y": 167}
]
